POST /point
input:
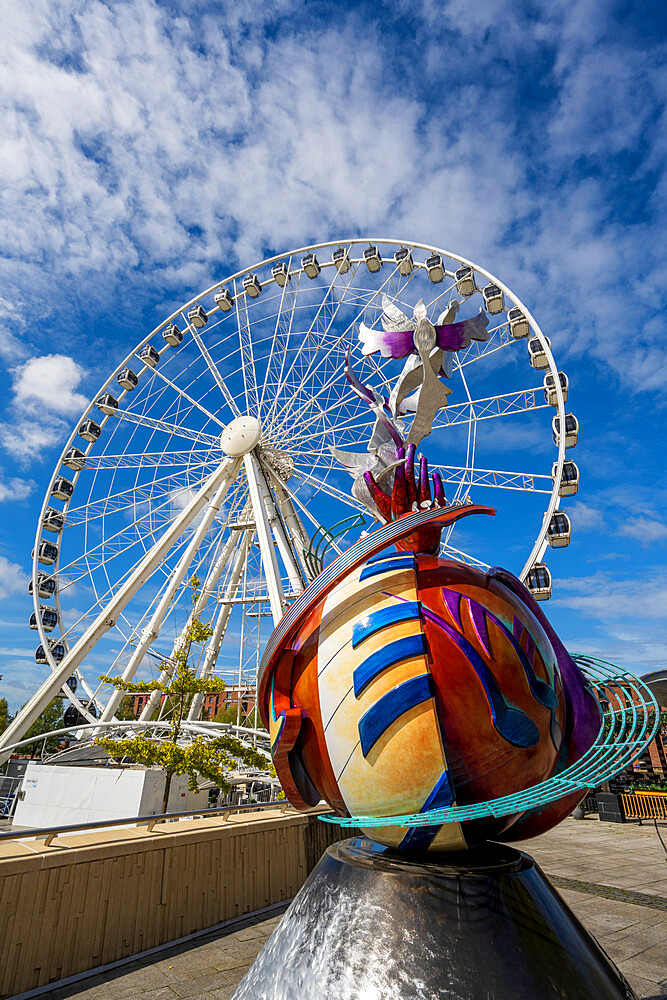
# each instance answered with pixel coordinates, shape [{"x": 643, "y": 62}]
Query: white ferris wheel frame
[{"x": 217, "y": 485}]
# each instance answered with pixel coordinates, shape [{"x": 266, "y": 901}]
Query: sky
[{"x": 149, "y": 148}]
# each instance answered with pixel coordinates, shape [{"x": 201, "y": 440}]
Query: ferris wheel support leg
[
  {"x": 106, "y": 619},
  {"x": 267, "y": 548},
  {"x": 202, "y": 599},
  {"x": 150, "y": 633},
  {"x": 220, "y": 627},
  {"x": 295, "y": 575},
  {"x": 300, "y": 538}
]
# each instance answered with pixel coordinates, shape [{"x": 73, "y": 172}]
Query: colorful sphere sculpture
[{"x": 401, "y": 682}]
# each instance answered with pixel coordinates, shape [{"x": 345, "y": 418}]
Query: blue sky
[{"x": 149, "y": 148}]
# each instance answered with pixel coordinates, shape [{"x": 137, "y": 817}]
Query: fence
[
  {"x": 645, "y": 805},
  {"x": 81, "y": 901},
  {"x": 590, "y": 803},
  {"x": 9, "y": 788}
]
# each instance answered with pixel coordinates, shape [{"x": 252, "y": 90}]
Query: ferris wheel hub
[{"x": 240, "y": 436}]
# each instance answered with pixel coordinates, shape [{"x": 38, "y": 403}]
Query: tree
[
  {"x": 125, "y": 711},
  {"x": 50, "y": 719},
  {"x": 229, "y": 715},
  {"x": 198, "y": 757},
  {"x": 5, "y": 717}
]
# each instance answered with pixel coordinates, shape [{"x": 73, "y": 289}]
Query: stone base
[{"x": 372, "y": 924}]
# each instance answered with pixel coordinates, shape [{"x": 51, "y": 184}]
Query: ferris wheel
[{"x": 214, "y": 450}]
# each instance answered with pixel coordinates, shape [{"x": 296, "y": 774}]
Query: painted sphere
[{"x": 417, "y": 683}]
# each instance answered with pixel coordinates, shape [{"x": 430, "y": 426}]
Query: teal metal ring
[{"x": 630, "y": 719}]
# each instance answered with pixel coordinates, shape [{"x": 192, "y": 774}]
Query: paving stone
[
  {"x": 204, "y": 984},
  {"x": 164, "y": 993},
  {"x": 622, "y": 948},
  {"x": 600, "y": 923},
  {"x": 247, "y": 934},
  {"x": 645, "y": 989},
  {"x": 106, "y": 989},
  {"x": 644, "y": 934},
  {"x": 225, "y": 992},
  {"x": 651, "y": 964}
]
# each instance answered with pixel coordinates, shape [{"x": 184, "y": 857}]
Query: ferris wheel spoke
[
  {"x": 333, "y": 405},
  {"x": 161, "y": 425},
  {"x": 101, "y": 555},
  {"x": 336, "y": 379},
  {"x": 489, "y": 408},
  {"x": 522, "y": 481},
  {"x": 461, "y": 495},
  {"x": 443, "y": 291},
  {"x": 213, "y": 368},
  {"x": 448, "y": 551},
  {"x": 314, "y": 330},
  {"x": 296, "y": 415},
  {"x": 132, "y": 495},
  {"x": 154, "y": 459},
  {"x": 357, "y": 422},
  {"x": 325, "y": 487},
  {"x": 113, "y": 546},
  {"x": 472, "y": 430},
  {"x": 281, "y": 334},
  {"x": 247, "y": 357},
  {"x": 500, "y": 338},
  {"x": 337, "y": 346},
  {"x": 185, "y": 395}
]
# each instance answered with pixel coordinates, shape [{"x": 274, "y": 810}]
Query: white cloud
[
  {"x": 29, "y": 438},
  {"x": 584, "y": 516},
  {"x": 645, "y": 529},
  {"x": 151, "y": 147},
  {"x": 48, "y": 383},
  {"x": 44, "y": 393},
  {"x": 12, "y": 577},
  {"x": 13, "y": 488},
  {"x": 12, "y": 324},
  {"x": 113, "y": 158},
  {"x": 609, "y": 599},
  {"x": 640, "y": 652}
]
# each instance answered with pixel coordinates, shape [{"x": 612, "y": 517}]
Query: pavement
[{"x": 613, "y": 876}]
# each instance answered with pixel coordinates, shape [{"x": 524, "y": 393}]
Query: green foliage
[
  {"x": 50, "y": 719},
  {"x": 125, "y": 710},
  {"x": 648, "y": 785},
  {"x": 229, "y": 715},
  {"x": 206, "y": 758},
  {"x": 5, "y": 717},
  {"x": 210, "y": 759}
]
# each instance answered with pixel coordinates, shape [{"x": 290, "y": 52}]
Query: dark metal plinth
[{"x": 370, "y": 924}]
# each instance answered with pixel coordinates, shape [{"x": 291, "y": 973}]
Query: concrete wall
[{"x": 90, "y": 900}]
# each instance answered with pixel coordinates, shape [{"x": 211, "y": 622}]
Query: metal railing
[
  {"x": 9, "y": 790},
  {"x": 47, "y": 834},
  {"x": 644, "y": 805}
]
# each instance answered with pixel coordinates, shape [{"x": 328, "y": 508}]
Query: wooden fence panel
[{"x": 90, "y": 900}]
